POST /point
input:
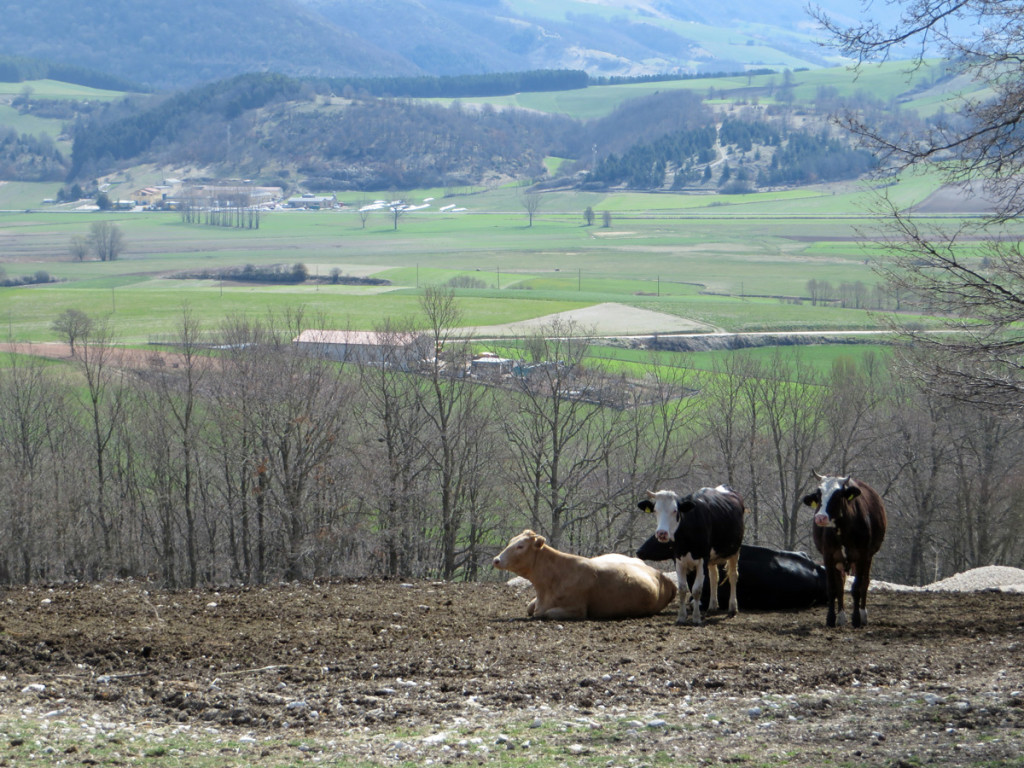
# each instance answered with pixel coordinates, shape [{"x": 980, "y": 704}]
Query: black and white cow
[
  {"x": 704, "y": 527},
  {"x": 773, "y": 579}
]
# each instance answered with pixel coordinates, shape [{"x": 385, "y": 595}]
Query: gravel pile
[{"x": 990, "y": 578}]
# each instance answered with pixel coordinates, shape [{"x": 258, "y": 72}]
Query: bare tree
[
  {"x": 72, "y": 324},
  {"x": 730, "y": 429},
  {"x": 982, "y": 152},
  {"x": 987, "y": 448},
  {"x": 820, "y": 291},
  {"x": 794, "y": 401},
  {"x": 176, "y": 394},
  {"x": 106, "y": 240},
  {"x": 364, "y": 209},
  {"x": 79, "y": 248},
  {"x": 393, "y": 468},
  {"x": 106, "y": 399},
  {"x": 34, "y": 422},
  {"x": 301, "y": 414},
  {"x": 456, "y": 411},
  {"x": 558, "y": 435},
  {"x": 243, "y": 487},
  {"x": 398, "y": 208},
  {"x": 531, "y": 204},
  {"x": 651, "y": 448}
]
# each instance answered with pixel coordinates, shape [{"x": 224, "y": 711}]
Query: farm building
[
  {"x": 401, "y": 350},
  {"x": 150, "y": 196},
  {"x": 312, "y": 202},
  {"x": 215, "y": 196},
  {"x": 489, "y": 366}
]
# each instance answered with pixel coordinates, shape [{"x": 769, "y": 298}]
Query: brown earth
[{"x": 387, "y": 673}]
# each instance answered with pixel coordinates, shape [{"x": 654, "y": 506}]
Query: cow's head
[
  {"x": 520, "y": 553},
  {"x": 830, "y": 497},
  {"x": 667, "y": 509}
]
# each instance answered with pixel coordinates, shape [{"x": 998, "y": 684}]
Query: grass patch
[{"x": 736, "y": 266}]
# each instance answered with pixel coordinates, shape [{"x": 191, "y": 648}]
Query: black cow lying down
[{"x": 770, "y": 579}]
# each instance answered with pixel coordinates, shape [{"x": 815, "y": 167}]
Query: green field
[
  {"x": 737, "y": 263},
  {"x": 889, "y": 80}
]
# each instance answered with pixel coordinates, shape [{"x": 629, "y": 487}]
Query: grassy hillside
[{"x": 923, "y": 90}]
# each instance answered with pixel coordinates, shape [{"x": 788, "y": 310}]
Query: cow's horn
[
  {"x": 815, "y": 473},
  {"x": 651, "y": 494}
]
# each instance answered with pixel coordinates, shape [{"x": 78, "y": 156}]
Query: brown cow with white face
[
  {"x": 849, "y": 526},
  {"x": 573, "y": 587}
]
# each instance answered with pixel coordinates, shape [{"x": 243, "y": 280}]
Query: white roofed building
[{"x": 401, "y": 350}]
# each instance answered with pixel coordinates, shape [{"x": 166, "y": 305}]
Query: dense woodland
[
  {"x": 30, "y": 158},
  {"x": 279, "y": 130},
  {"x": 256, "y": 462}
]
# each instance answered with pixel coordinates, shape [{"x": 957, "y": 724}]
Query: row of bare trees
[{"x": 263, "y": 463}]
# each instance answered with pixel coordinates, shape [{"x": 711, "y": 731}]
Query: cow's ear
[
  {"x": 539, "y": 541},
  {"x": 813, "y": 500},
  {"x": 852, "y": 490},
  {"x": 645, "y": 505},
  {"x": 684, "y": 505}
]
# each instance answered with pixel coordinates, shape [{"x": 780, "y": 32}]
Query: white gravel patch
[
  {"x": 1001, "y": 578},
  {"x": 990, "y": 578},
  {"x": 994, "y": 578}
]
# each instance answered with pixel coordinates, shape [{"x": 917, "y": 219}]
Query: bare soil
[{"x": 381, "y": 672}]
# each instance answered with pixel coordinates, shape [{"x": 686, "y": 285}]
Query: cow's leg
[
  {"x": 841, "y": 619},
  {"x": 834, "y": 581},
  {"x": 698, "y": 588},
  {"x": 684, "y": 591},
  {"x": 860, "y": 594},
  {"x": 732, "y": 571},
  {"x": 856, "y": 598},
  {"x": 713, "y": 587},
  {"x": 840, "y": 595},
  {"x": 562, "y": 613}
]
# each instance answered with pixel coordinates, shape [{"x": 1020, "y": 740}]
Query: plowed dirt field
[{"x": 454, "y": 674}]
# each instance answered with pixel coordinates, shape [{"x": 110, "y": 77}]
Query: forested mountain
[
  {"x": 173, "y": 45},
  {"x": 287, "y": 132},
  {"x": 269, "y": 125},
  {"x": 170, "y": 46}
]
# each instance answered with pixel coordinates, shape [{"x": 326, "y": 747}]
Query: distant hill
[
  {"x": 174, "y": 45},
  {"x": 170, "y": 46},
  {"x": 282, "y": 131},
  {"x": 601, "y": 37}
]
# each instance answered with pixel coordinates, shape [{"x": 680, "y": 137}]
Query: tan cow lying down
[{"x": 573, "y": 587}]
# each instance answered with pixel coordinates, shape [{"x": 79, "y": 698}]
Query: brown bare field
[{"x": 453, "y": 673}]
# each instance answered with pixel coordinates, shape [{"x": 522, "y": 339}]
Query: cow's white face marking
[
  {"x": 665, "y": 503},
  {"x": 828, "y": 486}
]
